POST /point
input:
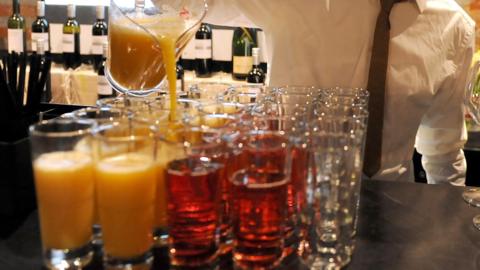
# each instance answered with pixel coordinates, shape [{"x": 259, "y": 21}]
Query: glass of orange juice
[
  {"x": 125, "y": 177},
  {"x": 64, "y": 182}
]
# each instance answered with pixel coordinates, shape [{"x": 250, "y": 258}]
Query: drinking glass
[
  {"x": 296, "y": 130},
  {"x": 126, "y": 183},
  {"x": 259, "y": 203},
  {"x": 353, "y": 117},
  {"x": 337, "y": 147},
  {"x": 229, "y": 126},
  {"x": 64, "y": 182},
  {"x": 100, "y": 116},
  {"x": 146, "y": 38},
  {"x": 193, "y": 180},
  {"x": 158, "y": 119}
]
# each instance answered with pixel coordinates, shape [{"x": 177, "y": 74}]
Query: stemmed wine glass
[
  {"x": 472, "y": 103},
  {"x": 145, "y": 40}
]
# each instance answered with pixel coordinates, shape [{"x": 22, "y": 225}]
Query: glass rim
[
  {"x": 238, "y": 105},
  {"x": 119, "y": 101},
  {"x": 338, "y": 117},
  {"x": 97, "y": 132},
  {"x": 203, "y": 129},
  {"x": 360, "y": 90},
  {"x": 77, "y": 114},
  {"x": 282, "y": 181},
  {"x": 88, "y": 130},
  {"x": 166, "y": 101}
]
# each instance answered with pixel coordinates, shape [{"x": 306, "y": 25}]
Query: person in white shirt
[{"x": 328, "y": 43}]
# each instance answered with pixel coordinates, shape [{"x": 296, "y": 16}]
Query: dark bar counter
[{"x": 405, "y": 226}]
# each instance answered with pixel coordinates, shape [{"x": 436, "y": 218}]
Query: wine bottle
[
  {"x": 40, "y": 28},
  {"x": 188, "y": 56},
  {"x": 71, "y": 40},
  {"x": 40, "y": 49},
  {"x": 16, "y": 30},
  {"x": 104, "y": 89},
  {"x": 256, "y": 75},
  {"x": 222, "y": 50},
  {"x": 99, "y": 37},
  {"x": 180, "y": 78},
  {"x": 242, "y": 44},
  {"x": 203, "y": 51}
]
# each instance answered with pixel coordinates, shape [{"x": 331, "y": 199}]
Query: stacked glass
[{"x": 337, "y": 140}]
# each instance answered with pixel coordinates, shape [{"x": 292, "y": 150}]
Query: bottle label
[
  {"x": 189, "y": 52},
  {"x": 103, "y": 87},
  {"x": 97, "y": 44},
  {"x": 37, "y": 36},
  {"x": 262, "y": 45},
  {"x": 68, "y": 41},
  {"x": 203, "y": 48},
  {"x": 222, "y": 45},
  {"x": 242, "y": 64},
  {"x": 15, "y": 40}
]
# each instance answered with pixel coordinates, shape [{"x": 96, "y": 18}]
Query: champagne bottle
[
  {"x": 203, "y": 51},
  {"x": 243, "y": 42},
  {"x": 16, "y": 30},
  {"x": 40, "y": 28},
  {"x": 256, "y": 75},
  {"x": 71, "y": 40},
  {"x": 99, "y": 37},
  {"x": 104, "y": 89}
]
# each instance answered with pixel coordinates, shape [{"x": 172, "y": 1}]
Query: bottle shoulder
[
  {"x": 71, "y": 27},
  {"x": 71, "y": 22},
  {"x": 16, "y": 17},
  {"x": 40, "y": 25},
  {"x": 100, "y": 24}
]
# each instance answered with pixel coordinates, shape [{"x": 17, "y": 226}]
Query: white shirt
[{"x": 328, "y": 43}]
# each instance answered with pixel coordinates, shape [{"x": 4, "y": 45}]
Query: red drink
[
  {"x": 299, "y": 178},
  {"x": 259, "y": 214},
  {"x": 193, "y": 209}
]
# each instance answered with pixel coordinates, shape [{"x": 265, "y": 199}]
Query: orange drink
[
  {"x": 62, "y": 164},
  {"x": 126, "y": 193},
  {"x": 65, "y": 188},
  {"x": 126, "y": 183},
  {"x": 143, "y": 52}
]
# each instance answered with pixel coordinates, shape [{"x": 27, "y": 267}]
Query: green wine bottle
[
  {"x": 71, "y": 40},
  {"x": 244, "y": 39},
  {"x": 40, "y": 28},
  {"x": 16, "y": 30},
  {"x": 99, "y": 37}
]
